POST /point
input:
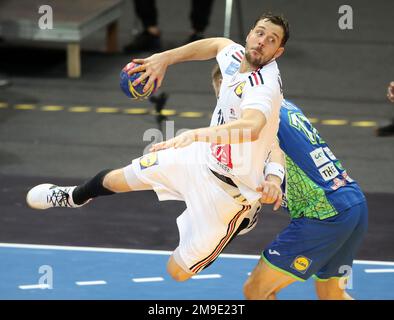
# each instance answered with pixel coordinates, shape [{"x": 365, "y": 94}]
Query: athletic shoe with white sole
[{"x": 47, "y": 195}]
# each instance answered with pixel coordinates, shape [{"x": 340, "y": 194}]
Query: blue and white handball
[{"x": 126, "y": 83}]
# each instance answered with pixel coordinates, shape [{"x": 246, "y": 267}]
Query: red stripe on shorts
[{"x": 230, "y": 230}]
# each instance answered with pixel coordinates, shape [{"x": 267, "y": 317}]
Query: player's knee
[
  {"x": 176, "y": 272},
  {"x": 109, "y": 180},
  {"x": 249, "y": 291},
  {"x": 115, "y": 181},
  {"x": 254, "y": 291},
  {"x": 178, "y": 275},
  {"x": 331, "y": 291}
]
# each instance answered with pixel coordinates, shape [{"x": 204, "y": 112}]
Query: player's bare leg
[
  {"x": 115, "y": 181},
  {"x": 176, "y": 271},
  {"x": 264, "y": 282},
  {"x": 331, "y": 290}
]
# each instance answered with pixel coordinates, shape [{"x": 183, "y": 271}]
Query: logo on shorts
[
  {"x": 301, "y": 264},
  {"x": 272, "y": 252},
  {"x": 149, "y": 160},
  {"x": 240, "y": 89}
]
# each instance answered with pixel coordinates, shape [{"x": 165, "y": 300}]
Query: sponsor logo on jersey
[
  {"x": 328, "y": 172},
  {"x": 319, "y": 157},
  {"x": 239, "y": 89},
  {"x": 301, "y": 264},
  {"x": 233, "y": 115},
  {"x": 149, "y": 160},
  {"x": 232, "y": 68},
  {"x": 222, "y": 153},
  {"x": 329, "y": 153}
]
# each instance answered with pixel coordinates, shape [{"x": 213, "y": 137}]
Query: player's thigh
[
  {"x": 115, "y": 181},
  {"x": 265, "y": 281},
  {"x": 176, "y": 271},
  {"x": 332, "y": 289},
  {"x": 340, "y": 263}
]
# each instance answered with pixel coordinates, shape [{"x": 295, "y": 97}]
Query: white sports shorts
[{"x": 212, "y": 214}]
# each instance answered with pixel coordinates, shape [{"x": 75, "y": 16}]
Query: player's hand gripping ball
[{"x": 126, "y": 83}]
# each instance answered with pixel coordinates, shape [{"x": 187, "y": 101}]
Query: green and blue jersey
[{"x": 316, "y": 184}]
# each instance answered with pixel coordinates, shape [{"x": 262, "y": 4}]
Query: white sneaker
[{"x": 47, "y": 195}]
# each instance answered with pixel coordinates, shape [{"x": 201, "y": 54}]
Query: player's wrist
[
  {"x": 167, "y": 57},
  {"x": 275, "y": 179},
  {"x": 274, "y": 170}
]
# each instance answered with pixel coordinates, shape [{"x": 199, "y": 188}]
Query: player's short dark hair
[{"x": 279, "y": 20}]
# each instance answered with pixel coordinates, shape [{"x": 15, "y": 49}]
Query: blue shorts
[{"x": 324, "y": 248}]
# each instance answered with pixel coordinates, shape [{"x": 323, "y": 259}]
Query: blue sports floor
[{"x": 54, "y": 272}]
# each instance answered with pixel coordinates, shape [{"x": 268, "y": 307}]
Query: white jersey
[
  {"x": 216, "y": 211},
  {"x": 260, "y": 90}
]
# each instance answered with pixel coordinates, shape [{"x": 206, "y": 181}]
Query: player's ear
[{"x": 279, "y": 52}]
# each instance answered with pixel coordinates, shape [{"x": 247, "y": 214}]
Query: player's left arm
[{"x": 245, "y": 129}]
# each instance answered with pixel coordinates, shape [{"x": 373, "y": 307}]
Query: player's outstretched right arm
[{"x": 156, "y": 65}]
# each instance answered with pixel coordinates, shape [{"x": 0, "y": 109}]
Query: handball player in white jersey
[{"x": 215, "y": 170}]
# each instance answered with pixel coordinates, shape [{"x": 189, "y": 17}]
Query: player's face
[{"x": 263, "y": 43}]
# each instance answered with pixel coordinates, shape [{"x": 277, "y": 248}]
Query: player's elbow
[
  {"x": 255, "y": 133},
  {"x": 254, "y": 121},
  {"x": 255, "y": 130}
]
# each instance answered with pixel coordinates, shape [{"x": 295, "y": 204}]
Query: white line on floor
[
  {"x": 151, "y": 279},
  {"x": 379, "y": 270},
  {"x": 34, "y": 286},
  {"x": 158, "y": 252},
  {"x": 206, "y": 276},
  {"x": 90, "y": 283}
]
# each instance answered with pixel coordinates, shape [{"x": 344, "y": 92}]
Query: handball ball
[{"x": 126, "y": 83}]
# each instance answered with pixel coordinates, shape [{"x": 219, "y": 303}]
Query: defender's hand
[{"x": 271, "y": 191}]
